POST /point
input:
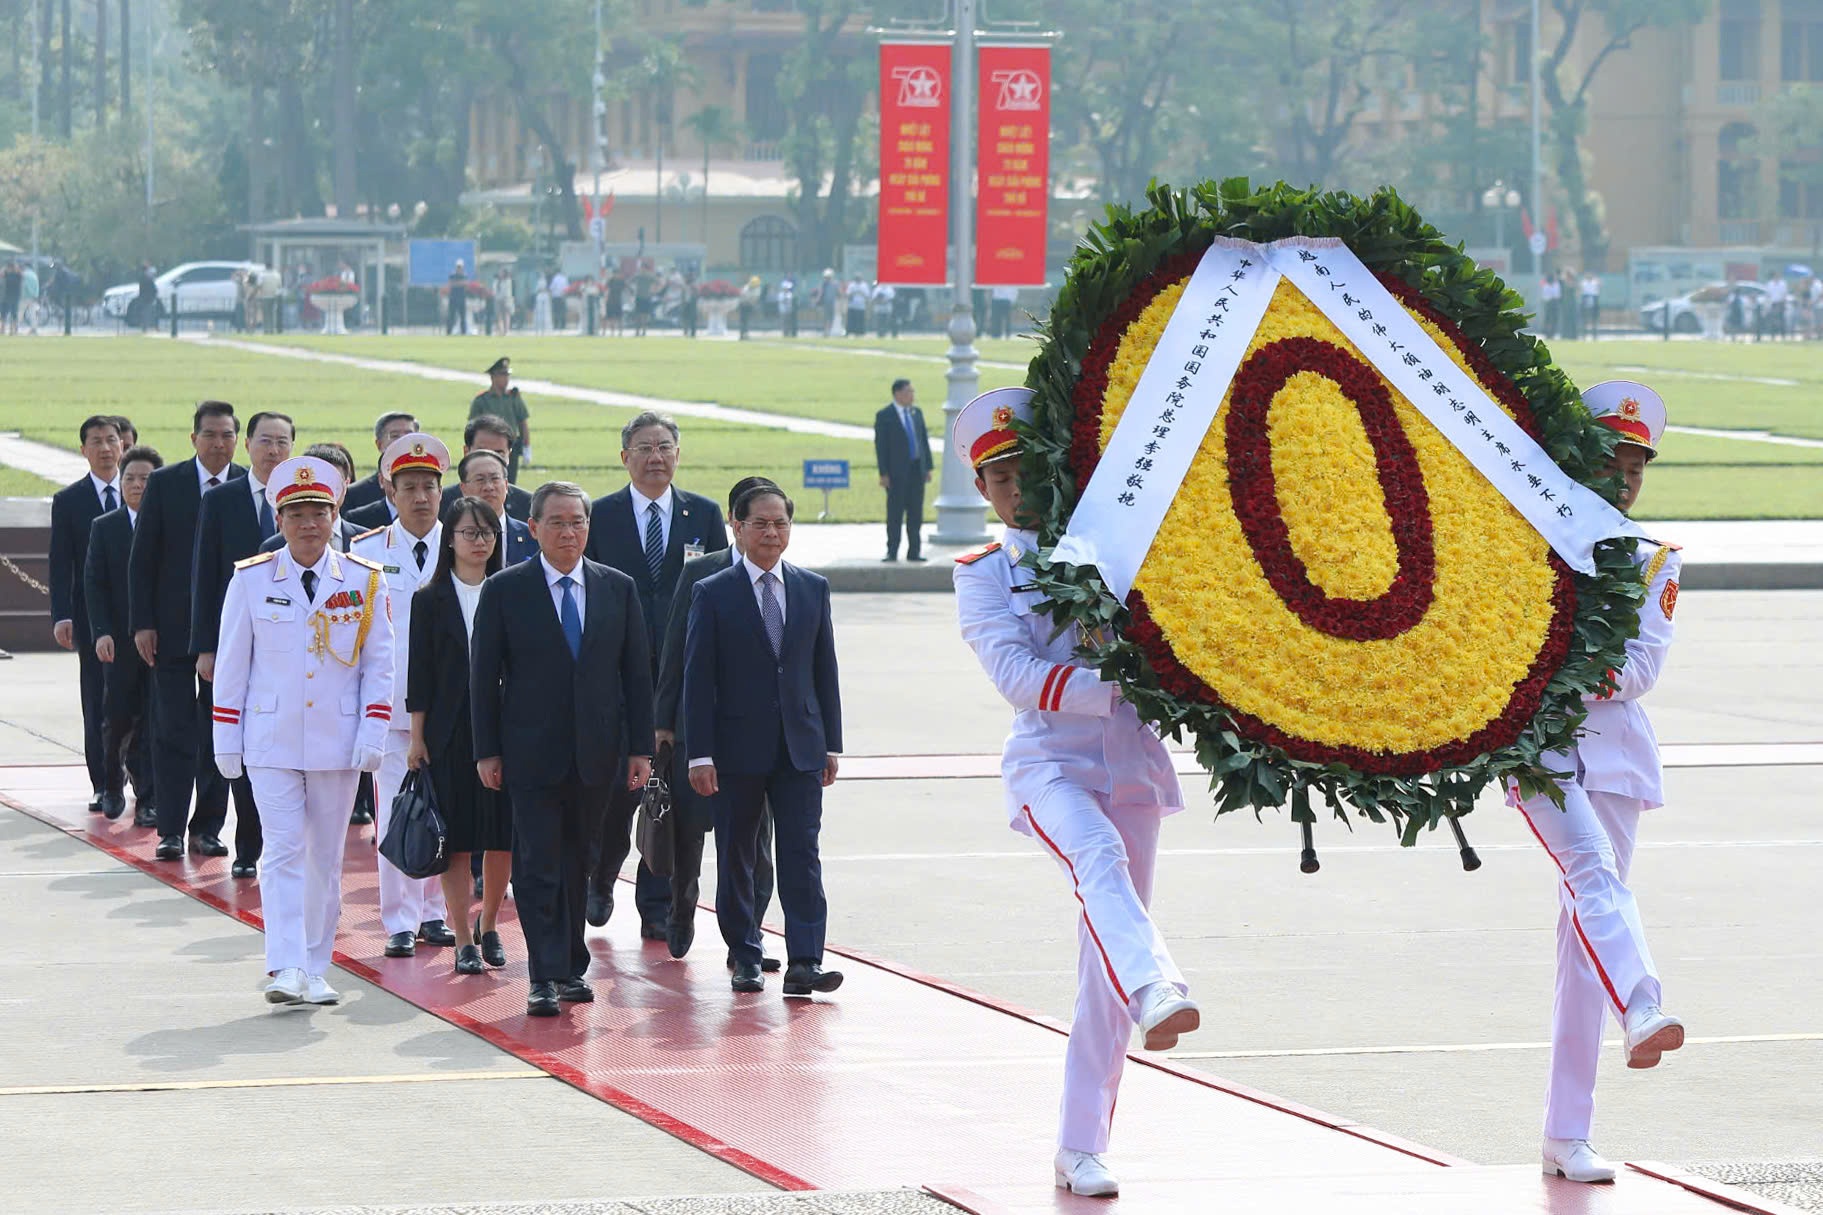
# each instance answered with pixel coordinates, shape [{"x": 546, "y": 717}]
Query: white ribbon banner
[
  {"x": 1177, "y": 397},
  {"x": 1183, "y": 385}
]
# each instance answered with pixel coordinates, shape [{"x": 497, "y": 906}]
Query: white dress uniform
[
  {"x": 1602, "y": 958},
  {"x": 1087, "y": 779},
  {"x": 405, "y": 903},
  {"x": 303, "y": 682}
]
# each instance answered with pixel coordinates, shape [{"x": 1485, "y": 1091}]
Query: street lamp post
[
  {"x": 1537, "y": 171},
  {"x": 1500, "y": 198}
]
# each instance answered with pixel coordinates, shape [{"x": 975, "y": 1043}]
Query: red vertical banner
[
  {"x": 914, "y": 163},
  {"x": 1013, "y": 185}
]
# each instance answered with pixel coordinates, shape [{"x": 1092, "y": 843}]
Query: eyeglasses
[
  {"x": 477, "y": 535},
  {"x": 654, "y": 449},
  {"x": 768, "y": 525},
  {"x": 492, "y": 479},
  {"x": 562, "y": 526}
]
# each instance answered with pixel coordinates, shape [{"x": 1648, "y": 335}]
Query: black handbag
[
  {"x": 416, "y": 842},
  {"x": 655, "y": 824}
]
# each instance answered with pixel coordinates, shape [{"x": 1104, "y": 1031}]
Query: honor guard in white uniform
[
  {"x": 1089, "y": 782},
  {"x": 412, "y": 467},
  {"x": 1602, "y": 960},
  {"x": 303, "y": 694}
]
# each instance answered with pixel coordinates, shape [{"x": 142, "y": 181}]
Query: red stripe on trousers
[
  {"x": 1077, "y": 884},
  {"x": 1574, "y": 920}
]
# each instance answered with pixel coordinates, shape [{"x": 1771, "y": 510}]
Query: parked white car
[
  {"x": 1682, "y": 308},
  {"x": 198, "y": 289}
]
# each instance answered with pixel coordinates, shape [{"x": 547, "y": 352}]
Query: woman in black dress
[{"x": 477, "y": 818}]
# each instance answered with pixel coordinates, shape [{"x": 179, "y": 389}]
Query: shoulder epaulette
[
  {"x": 256, "y": 559},
  {"x": 372, "y": 531},
  {"x": 1658, "y": 561},
  {"x": 366, "y": 561},
  {"x": 976, "y": 554}
]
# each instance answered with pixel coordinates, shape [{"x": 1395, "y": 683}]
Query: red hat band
[
  {"x": 1632, "y": 428},
  {"x": 307, "y": 491},
  {"x": 991, "y": 444},
  {"x": 416, "y": 459}
]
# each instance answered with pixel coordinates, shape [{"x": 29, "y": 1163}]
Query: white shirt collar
[
  {"x": 101, "y": 485},
  {"x": 132, "y": 517},
  {"x": 203, "y": 474},
  {"x": 642, "y": 503},
  {"x": 552, "y": 573},
  {"x": 1016, "y": 542},
  {"x": 754, "y": 571},
  {"x": 255, "y": 485}
]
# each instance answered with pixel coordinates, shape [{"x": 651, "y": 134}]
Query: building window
[
  {"x": 1739, "y": 44},
  {"x": 1801, "y": 41},
  {"x": 769, "y": 242},
  {"x": 1800, "y": 190},
  {"x": 766, "y": 119},
  {"x": 1736, "y": 174}
]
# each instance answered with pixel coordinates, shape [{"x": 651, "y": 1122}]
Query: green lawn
[
  {"x": 16, "y": 484},
  {"x": 55, "y": 384}
]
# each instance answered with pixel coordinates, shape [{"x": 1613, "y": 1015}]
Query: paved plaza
[{"x": 140, "y": 1073}]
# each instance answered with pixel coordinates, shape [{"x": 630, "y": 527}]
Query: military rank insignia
[
  {"x": 343, "y": 599},
  {"x": 1667, "y": 600}
]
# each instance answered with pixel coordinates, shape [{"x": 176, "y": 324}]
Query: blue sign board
[
  {"x": 429, "y": 263},
  {"x": 826, "y": 474}
]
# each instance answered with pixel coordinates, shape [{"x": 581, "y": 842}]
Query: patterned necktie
[
  {"x": 770, "y": 612},
  {"x": 214, "y": 481},
  {"x": 418, "y": 550},
  {"x": 310, "y": 585},
  {"x": 266, "y": 528},
  {"x": 655, "y": 542},
  {"x": 107, "y": 498},
  {"x": 569, "y": 617}
]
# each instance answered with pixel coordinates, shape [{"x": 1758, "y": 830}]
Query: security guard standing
[
  {"x": 507, "y": 404},
  {"x": 412, "y": 468},
  {"x": 303, "y": 694},
  {"x": 1602, "y": 959},
  {"x": 1086, "y": 779}
]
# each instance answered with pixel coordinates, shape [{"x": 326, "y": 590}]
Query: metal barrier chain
[{"x": 25, "y": 577}]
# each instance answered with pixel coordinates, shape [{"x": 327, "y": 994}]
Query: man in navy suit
[
  {"x": 234, "y": 520},
  {"x": 485, "y": 432},
  {"x": 391, "y": 425},
  {"x": 551, "y": 694},
  {"x": 127, "y": 724},
  {"x": 902, "y": 453},
  {"x": 482, "y": 474},
  {"x": 74, "y": 509},
  {"x": 763, "y": 724},
  {"x": 647, "y": 531},
  {"x": 159, "y": 601}
]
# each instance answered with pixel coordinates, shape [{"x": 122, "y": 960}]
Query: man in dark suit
[
  {"x": 692, "y": 817},
  {"x": 485, "y": 432},
  {"x": 482, "y": 474},
  {"x": 127, "y": 684},
  {"x": 74, "y": 509},
  {"x": 902, "y": 452},
  {"x": 647, "y": 531},
  {"x": 571, "y": 672},
  {"x": 159, "y": 600},
  {"x": 763, "y": 725},
  {"x": 368, "y": 490},
  {"x": 234, "y": 520}
]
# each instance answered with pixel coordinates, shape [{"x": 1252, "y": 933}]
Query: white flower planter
[
  {"x": 332, "y": 306},
  {"x": 716, "y": 313}
]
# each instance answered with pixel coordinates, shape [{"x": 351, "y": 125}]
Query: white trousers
[
  {"x": 405, "y": 902},
  {"x": 1109, "y": 853},
  {"x": 304, "y": 816},
  {"x": 1602, "y": 960}
]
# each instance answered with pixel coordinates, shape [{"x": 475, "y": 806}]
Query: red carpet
[{"x": 897, "y": 1080}]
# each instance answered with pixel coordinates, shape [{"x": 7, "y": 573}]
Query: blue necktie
[
  {"x": 107, "y": 497},
  {"x": 266, "y": 528},
  {"x": 911, "y": 434},
  {"x": 655, "y": 542},
  {"x": 770, "y": 613},
  {"x": 569, "y": 617}
]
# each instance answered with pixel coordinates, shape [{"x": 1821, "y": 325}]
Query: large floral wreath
[{"x": 1336, "y": 602}]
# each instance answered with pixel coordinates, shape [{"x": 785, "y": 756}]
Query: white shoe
[
  {"x": 320, "y": 992},
  {"x": 1575, "y": 1160},
  {"x": 1164, "y": 1013},
  {"x": 1084, "y": 1173},
  {"x": 1651, "y": 1031},
  {"x": 287, "y": 987}
]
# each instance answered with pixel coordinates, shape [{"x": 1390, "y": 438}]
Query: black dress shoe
[
  {"x": 361, "y": 816},
  {"x": 747, "y": 978},
  {"x": 468, "y": 960},
  {"x": 170, "y": 848},
  {"x": 680, "y": 934},
  {"x": 575, "y": 991},
  {"x": 802, "y": 978},
  {"x": 543, "y": 1000},
  {"x": 889, "y": 558},
  {"x": 207, "y": 845},
  {"x": 244, "y": 869},
  {"x": 770, "y": 965},
  {"x": 919, "y": 560},
  {"x": 492, "y": 951},
  {"x": 145, "y": 816},
  {"x": 401, "y": 945},
  {"x": 95, "y": 803},
  {"x": 652, "y": 930},
  {"x": 601, "y": 906},
  {"x": 113, "y": 805},
  {"x": 436, "y": 932}
]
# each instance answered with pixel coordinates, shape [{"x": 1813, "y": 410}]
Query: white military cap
[
  {"x": 984, "y": 429},
  {"x": 1631, "y": 408},
  {"x": 415, "y": 450},
  {"x": 305, "y": 479}
]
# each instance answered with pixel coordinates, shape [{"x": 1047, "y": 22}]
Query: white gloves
[
  {"x": 367, "y": 758},
  {"x": 525, "y": 455},
  {"x": 229, "y": 766}
]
